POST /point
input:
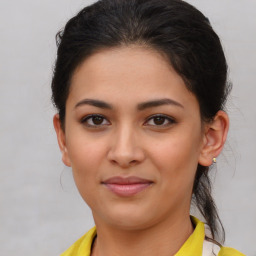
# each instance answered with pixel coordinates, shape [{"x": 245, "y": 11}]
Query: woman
[{"x": 140, "y": 87}]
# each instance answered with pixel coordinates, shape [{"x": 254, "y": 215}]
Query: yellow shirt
[{"x": 192, "y": 247}]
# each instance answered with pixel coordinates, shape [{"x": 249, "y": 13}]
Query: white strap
[{"x": 210, "y": 249}]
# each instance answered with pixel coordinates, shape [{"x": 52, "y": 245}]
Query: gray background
[{"x": 41, "y": 212}]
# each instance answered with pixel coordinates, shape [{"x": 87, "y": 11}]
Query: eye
[
  {"x": 160, "y": 120},
  {"x": 95, "y": 121}
]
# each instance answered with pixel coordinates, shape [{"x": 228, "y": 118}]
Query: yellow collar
[
  {"x": 192, "y": 247},
  {"x": 194, "y": 244}
]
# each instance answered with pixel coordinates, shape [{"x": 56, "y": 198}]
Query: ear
[
  {"x": 61, "y": 140},
  {"x": 215, "y": 135}
]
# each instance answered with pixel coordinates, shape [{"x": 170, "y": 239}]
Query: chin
[
  {"x": 128, "y": 218},
  {"x": 131, "y": 224}
]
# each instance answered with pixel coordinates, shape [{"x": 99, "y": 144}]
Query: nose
[{"x": 125, "y": 149}]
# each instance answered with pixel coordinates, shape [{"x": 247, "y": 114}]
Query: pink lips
[{"x": 128, "y": 186}]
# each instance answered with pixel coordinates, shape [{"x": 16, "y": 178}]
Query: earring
[{"x": 214, "y": 160}]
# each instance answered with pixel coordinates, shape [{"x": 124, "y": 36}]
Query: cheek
[
  {"x": 177, "y": 158},
  {"x": 86, "y": 156},
  {"x": 176, "y": 152},
  {"x": 85, "y": 151},
  {"x": 86, "y": 159}
]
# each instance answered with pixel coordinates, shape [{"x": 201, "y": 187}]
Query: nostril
[
  {"x": 123, "y": 163},
  {"x": 133, "y": 162}
]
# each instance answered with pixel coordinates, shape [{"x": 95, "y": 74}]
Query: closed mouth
[{"x": 127, "y": 186}]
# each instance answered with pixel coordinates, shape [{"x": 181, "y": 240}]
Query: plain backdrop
[{"x": 41, "y": 212}]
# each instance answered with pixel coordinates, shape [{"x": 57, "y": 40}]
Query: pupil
[
  {"x": 97, "y": 120},
  {"x": 159, "y": 120}
]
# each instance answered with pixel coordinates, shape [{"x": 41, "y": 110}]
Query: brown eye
[
  {"x": 95, "y": 121},
  {"x": 160, "y": 120}
]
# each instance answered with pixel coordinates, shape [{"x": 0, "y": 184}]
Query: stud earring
[{"x": 214, "y": 160}]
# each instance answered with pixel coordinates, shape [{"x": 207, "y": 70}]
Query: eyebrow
[
  {"x": 95, "y": 103},
  {"x": 141, "y": 106},
  {"x": 157, "y": 103}
]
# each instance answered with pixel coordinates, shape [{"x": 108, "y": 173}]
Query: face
[{"x": 133, "y": 137}]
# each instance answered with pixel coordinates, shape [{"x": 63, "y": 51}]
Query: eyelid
[
  {"x": 170, "y": 119},
  {"x": 87, "y": 117}
]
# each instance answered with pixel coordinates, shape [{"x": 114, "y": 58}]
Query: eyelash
[
  {"x": 85, "y": 121},
  {"x": 169, "y": 120}
]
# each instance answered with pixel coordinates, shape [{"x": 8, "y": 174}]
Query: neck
[{"x": 163, "y": 239}]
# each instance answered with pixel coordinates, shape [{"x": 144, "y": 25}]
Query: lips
[{"x": 127, "y": 186}]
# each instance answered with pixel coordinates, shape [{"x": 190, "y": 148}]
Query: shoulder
[
  {"x": 82, "y": 247},
  {"x": 227, "y": 251}
]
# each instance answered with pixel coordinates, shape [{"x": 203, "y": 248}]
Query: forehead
[{"x": 132, "y": 72}]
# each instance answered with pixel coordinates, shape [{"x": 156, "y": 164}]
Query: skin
[{"x": 128, "y": 140}]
